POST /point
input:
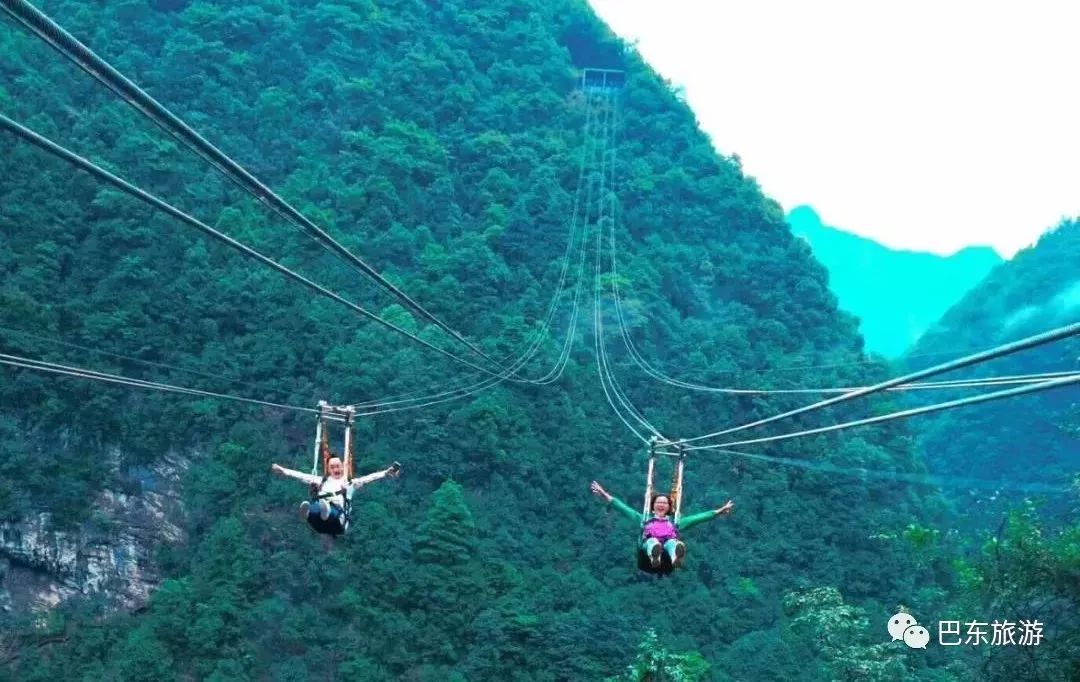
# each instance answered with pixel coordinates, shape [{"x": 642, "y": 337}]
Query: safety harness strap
[
  {"x": 350, "y": 414},
  {"x": 649, "y": 478},
  {"x": 676, "y": 493},
  {"x": 320, "y": 437},
  {"x": 677, "y": 485},
  {"x": 345, "y": 507}
]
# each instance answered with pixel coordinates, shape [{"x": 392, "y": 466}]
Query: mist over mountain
[{"x": 897, "y": 295}]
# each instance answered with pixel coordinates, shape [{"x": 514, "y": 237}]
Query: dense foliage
[
  {"x": 441, "y": 141},
  {"x": 1026, "y": 563},
  {"x": 1028, "y": 440}
]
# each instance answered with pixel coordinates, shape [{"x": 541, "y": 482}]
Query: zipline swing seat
[
  {"x": 675, "y": 496},
  {"x": 337, "y": 523}
]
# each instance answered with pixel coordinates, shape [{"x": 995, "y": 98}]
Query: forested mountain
[
  {"x": 1034, "y": 439},
  {"x": 1026, "y": 447},
  {"x": 443, "y": 142},
  {"x": 897, "y": 295}
]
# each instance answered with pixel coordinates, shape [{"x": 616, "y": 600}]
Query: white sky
[{"x": 928, "y": 125}]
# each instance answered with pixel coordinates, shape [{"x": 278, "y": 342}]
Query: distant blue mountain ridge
[{"x": 897, "y": 295}]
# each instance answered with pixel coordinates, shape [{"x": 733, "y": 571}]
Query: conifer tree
[
  {"x": 448, "y": 531},
  {"x": 446, "y": 585}
]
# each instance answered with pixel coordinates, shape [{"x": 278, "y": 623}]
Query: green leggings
[{"x": 669, "y": 546}]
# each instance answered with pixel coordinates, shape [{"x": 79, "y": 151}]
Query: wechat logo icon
[{"x": 903, "y": 626}]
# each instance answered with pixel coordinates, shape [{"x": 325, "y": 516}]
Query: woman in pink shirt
[{"x": 659, "y": 532}]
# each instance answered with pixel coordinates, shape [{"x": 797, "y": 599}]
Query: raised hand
[
  {"x": 277, "y": 469},
  {"x": 726, "y": 509},
  {"x": 599, "y": 491}
]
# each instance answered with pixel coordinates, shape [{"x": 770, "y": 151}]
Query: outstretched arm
[
  {"x": 292, "y": 473},
  {"x": 599, "y": 491},
  {"x": 392, "y": 471},
  {"x": 688, "y": 522}
]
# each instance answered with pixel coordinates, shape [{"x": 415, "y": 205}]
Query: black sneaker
[
  {"x": 655, "y": 554},
  {"x": 680, "y": 553}
]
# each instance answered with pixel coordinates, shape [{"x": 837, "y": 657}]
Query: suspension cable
[
  {"x": 600, "y": 349},
  {"x": 966, "y": 361},
  {"x": 906, "y": 382},
  {"x": 918, "y": 386},
  {"x": 561, "y": 362},
  {"x": 406, "y": 402},
  {"x": 985, "y": 381},
  {"x": 902, "y": 414},
  {"x": 905, "y": 477},
  {"x": 412, "y": 400},
  {"x": 607, "y": 208},
  {"x": 470, "y": 387},
  {"x": 126, "y": 187},
  {"x": 68, "y": 370},
  {"x": 597, "y": 352},
  {"x": 82, "y": 56},
  {"x": 664, "y": 378},
  {"x": 590, "y": 149},
  {"x": 461, "y": 391},
  {"x": 68, "y": 46},
  {"x": 129, "y": 358},
  {"x": 600, "y": 366}
]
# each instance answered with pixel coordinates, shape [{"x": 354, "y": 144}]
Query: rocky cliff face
[{"x": 110, "y": 554}]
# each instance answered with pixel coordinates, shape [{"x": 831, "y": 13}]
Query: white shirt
[
  {"x": 342, "y": 488},
  {"x": 339, "y": 489}
]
